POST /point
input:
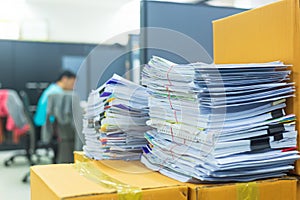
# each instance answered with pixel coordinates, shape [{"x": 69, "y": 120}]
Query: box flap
[
  {"x": 210, "y": 185},
  {"x": 67, "y": 182},
  {"x": 275, "y": 189},
  {"x": 259, "y": 35},
  {"x": 127, "y": 166},
  {"x": 130, "y": 172},
  {"x": 72, "y": 184}
]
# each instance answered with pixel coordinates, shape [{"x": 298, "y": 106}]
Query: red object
[
  {"x": 169, "y": 92},
  {"x": 10, "y": 123},
  {"x": 289, "y": 149},
  {"x": 1, "y": 131},
  {"x": 107, "y": 107}
]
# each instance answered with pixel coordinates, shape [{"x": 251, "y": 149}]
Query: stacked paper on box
[
  {"x": 115, "y": 120},
  {"x": 219, "y": 122}
]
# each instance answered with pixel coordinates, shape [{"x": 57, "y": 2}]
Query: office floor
[{"x": 11, "y": 185}]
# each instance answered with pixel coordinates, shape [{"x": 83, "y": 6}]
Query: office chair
[
  {"x": 62, "y": 129},
  {"x": 60, "y": 134},
  {"x": 36, "y": 142},
  {"x": 25, "y": 143},
  {"x": 27, "y": 154}
]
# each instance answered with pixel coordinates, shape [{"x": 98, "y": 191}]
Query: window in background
[
  {"x": 72, "y": 63},
  {"x": 9, "y": 30},
  {"x": 34, "y": 30}
]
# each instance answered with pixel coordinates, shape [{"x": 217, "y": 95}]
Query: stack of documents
[
  {"x": 219, "y": 122},
  {"x": 115, "y": 120}
]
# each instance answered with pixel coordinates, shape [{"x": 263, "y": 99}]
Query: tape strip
[
  {"x": 247, "y": 191},
  {"x": 91, "y": 172}
]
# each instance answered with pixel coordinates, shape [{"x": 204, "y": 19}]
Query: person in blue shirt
[{"x": 64, "y": 82}]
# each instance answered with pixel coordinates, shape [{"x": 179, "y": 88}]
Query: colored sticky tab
[
  {"x": 104, "y": 127},
  {"x": 112, "y": 82},
  {"x": 111, "y": 99},
  {"x": 105, "y": 94},
  {"x": 247, "y": 191},
  {"x": 289, "y": 149},
  {"x": 278, "y": 102}
]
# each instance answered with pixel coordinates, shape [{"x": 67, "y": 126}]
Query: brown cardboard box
[
  {"x": 298, "y": 189},
  {"x": 275, "y": 189},
  {"x": 264, "y": 34},
  {"x": 79, "y": 156},
  {"x": 63, "y": 181}
]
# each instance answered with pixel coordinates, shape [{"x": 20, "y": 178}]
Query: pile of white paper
[
  {"x": 115, "y": 120},
  {"x": 219, "y": 122}
]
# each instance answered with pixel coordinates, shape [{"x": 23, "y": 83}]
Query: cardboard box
[
  {"x": 275, "y": 189},
  {"x": 298, "y": 188},
  {"x": 79, "y": 156},
  {"x": 264, "y": 34},
  {"x": 271, "y": 189},
  {"x": 63, "y": 181}
]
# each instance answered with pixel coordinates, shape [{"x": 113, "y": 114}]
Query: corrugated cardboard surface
[
  {"x": 298, "y": 189},
  {"x": 272, "y": 189},
  {"x": 264, "y": 34},
  {"x": 64, "y": 182},
  {"x": 129, "y": 172},
  {"x": 79, "y": 156}
]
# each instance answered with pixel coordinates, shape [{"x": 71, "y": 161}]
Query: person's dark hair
[{"x": 67, "y": 74}]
